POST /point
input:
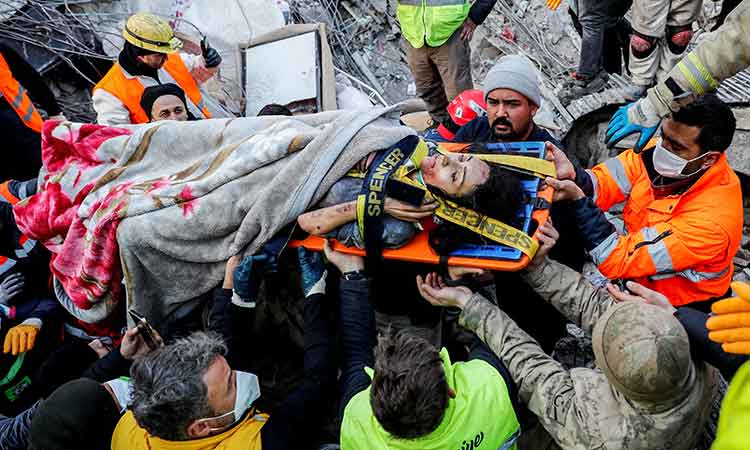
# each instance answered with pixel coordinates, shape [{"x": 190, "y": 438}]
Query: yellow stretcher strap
[
  {"x": 537, "y": 167},
  {"x": 486, "y": 226}
]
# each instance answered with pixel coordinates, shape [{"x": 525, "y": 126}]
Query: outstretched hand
[
  {"x": 433, "y": 289},
  {"x": 640, "y": 293}
]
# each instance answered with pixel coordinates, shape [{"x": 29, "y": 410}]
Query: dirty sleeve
[
  {"x": 543, "y": 383},
  {"x": 570, "y": 293},
  {"x": 481, "y": 9},
  {"x": 720, "y": 55}
]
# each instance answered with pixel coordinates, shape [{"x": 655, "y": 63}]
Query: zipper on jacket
[{"x": 651, "y": 242}]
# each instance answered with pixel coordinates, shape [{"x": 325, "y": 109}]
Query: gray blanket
[{"x": 253, "y": 176}]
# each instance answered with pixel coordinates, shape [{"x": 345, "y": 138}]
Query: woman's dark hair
[{"x": 501, "y": 197}]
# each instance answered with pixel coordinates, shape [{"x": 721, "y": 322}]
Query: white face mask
[
  {"x": 247, "y": 390},
  {"x": 669, "y": 165},
  {"x": 122, "y": 388}
]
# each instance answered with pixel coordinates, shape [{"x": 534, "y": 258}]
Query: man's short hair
[
  {"x": 714, "y": 117},
  {"x": 274, "y": 109},
  {"x": 168, "y": 388},
  {"x": 409, "y": 391}
]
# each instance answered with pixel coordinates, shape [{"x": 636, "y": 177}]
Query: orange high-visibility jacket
[
  {"x": 25, "y": 245},
  {"x": 17, "y": 97},
  {"x": 680, "y": 245},
  {"x": 130, "y": 90}
]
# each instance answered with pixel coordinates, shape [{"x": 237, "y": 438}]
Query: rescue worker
[
  {"x": 645, "y": 391},
  {"x": 20, "y": 122},
  {"x": 415, "y": 398},
  {"x": 150, "y": 57},
  {"x": 202, "y": 373},
  {"x": 30, "y": 317},
  {"x": 683, "y": 207},
  {"x": 435, "y": 38},
  {"x": 730, "y": 326},
  {"x": 605, "y": 35},
  {"x": 719, "y": 56},
  {"x": 513, "y": 95},
  {"x": 467, "y": 106},
  {"x": 662, "y": 30}
]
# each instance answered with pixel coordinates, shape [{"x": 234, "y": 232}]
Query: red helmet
[{"x": 467, "y": 106}]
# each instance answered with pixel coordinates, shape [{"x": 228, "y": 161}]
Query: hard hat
[
  {"x": 467, "y": 106},
  {"x": 150, "y": 32}
]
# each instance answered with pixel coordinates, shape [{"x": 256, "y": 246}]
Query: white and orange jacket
[{"x": 681, "y": 245}]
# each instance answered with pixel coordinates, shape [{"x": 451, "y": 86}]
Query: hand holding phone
[{"x": 145, "y": 330}]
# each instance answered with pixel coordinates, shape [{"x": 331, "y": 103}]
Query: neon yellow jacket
[
  {"x": 480, "y": 416},
  {"x": 430, "y": 22},
  {"x": 734, "y": 421}
]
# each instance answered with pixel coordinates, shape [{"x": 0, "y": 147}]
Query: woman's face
[{"x": 456, "y": 174}]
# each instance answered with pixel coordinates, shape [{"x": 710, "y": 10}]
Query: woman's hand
[
  {"x": 433, "y": 289},
  {"x": 406, "y": 212}
]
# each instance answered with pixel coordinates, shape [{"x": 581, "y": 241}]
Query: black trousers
[{"x": 22, "y": 147}]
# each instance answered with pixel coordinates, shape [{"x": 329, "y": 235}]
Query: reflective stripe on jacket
[
  {"x": 18, "y": 99},
  {"x": 481, "y": 415},
  {"x": 431, "y": 21},
  {"x": 129, "y": 89},
  {"x": 680, "y": 245}
]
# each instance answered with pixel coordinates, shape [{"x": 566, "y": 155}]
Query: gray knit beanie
[{"x": 516, "y": 73}]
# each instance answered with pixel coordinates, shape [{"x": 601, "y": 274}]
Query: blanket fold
[{"x": 152, "y": 212}]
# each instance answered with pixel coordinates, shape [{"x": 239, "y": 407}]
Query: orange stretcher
[{"x": 418, "y": 250}]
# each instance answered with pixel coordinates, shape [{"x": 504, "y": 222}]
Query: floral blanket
[{"x": 152, "y": 212}]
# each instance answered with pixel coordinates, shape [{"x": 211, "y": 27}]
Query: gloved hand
[
  {"x": 10, "y": 287},
  {"x": 210, "y": 55},
  {"x": 249, "y": 274},
  {"x": 312, "y": 271},
  {"x": 20, "y": 338},
  {"x": 730, "y": 324},
  {"x": 639, "y": 117},
  {"x": 553, "y": 4}
]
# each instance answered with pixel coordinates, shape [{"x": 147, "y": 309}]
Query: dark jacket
[{"x": 30, "y": 79}]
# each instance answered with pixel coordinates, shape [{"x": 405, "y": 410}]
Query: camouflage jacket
[
  {"x": 579, "y": 408},
  {"x": 719, "y": 56}
]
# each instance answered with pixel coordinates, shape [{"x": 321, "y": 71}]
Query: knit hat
[
  {"x": 80, "y": 414},
  {"x": 644, "y": 352},
  {"x": 516, "y": 73},
  {"x": 152, "y": 93}
]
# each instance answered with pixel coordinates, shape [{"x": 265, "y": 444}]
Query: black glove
[{"x": 210, "y": 55}]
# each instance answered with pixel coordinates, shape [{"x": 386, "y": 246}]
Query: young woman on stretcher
[{"x": 470, "y": 182}]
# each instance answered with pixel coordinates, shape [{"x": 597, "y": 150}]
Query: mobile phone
[{"x": 145, "y": 330}]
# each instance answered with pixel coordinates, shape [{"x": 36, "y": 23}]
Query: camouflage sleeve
[
  {"x": 543, "y": 383},
  {"x": 721, "y": 55},
  {"x": 565, "y": 289}
]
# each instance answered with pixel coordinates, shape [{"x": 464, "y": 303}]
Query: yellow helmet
[{"x": 150, "y": 32}]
